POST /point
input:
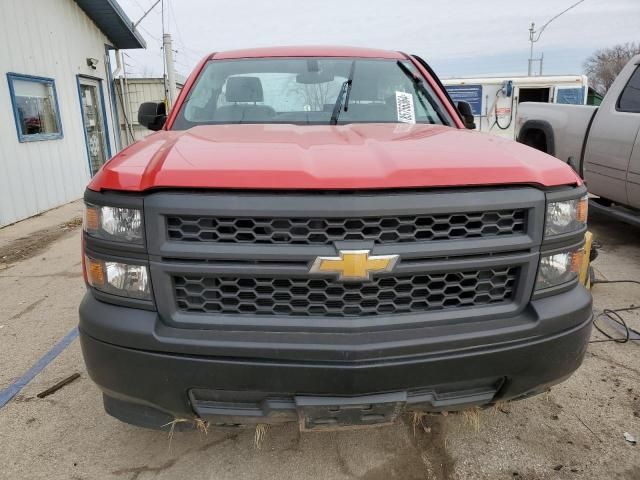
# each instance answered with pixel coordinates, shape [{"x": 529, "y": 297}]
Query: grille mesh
[
  {"x": 326, "y": 297},
  {"x": 324, "y": 231}
]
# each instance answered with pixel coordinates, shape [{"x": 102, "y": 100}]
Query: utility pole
[
  {"x": 534, "y": 36},
  {"x": 171, "y": 70},
  {"x": 532, "y": 30}
]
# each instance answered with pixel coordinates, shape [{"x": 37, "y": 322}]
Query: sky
[{"x": 460, "y": 38}]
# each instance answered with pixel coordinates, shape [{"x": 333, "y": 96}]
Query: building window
[{"x": 35, "y": 107}]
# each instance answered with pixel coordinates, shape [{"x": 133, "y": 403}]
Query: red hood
[{"x": 322, "y": 157}]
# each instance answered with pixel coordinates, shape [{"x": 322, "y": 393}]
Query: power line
[
  {"x": 150, "y": 34},
  {"x": 140, "y": 6},
  {"x": 146, "y": 13},
  {"x": 187, "y": 56},
  {"x": 196, "y": 55}
]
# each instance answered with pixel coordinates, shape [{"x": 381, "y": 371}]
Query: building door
[{"x": 93, "y": 120}]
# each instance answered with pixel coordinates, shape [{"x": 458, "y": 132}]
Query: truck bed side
[{"x": 559, "y": 130}]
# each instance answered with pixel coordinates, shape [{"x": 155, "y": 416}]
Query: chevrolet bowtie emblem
[{"x": 354, "y": 264}]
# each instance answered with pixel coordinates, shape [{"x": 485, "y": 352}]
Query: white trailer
[{"x": 495, "y": 100}]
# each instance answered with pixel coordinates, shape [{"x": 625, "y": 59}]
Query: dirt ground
[{"x": 575, "y": 431}]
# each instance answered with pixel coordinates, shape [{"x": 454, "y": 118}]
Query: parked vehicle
[
  {"x": 601, "y": 143},
  {"x": 495, "y": 100},
  {"x": 312, "y": 235}
]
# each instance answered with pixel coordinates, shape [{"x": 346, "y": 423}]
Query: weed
[
  {"x": 261, "y": 433},
  {"x": 472, "y": 418}
]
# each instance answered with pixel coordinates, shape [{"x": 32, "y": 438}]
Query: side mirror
[
  {"x": 467, "y": 115},
  {"x": 152, "y": 115}
]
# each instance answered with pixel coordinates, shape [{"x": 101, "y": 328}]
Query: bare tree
[
  {"x": 603, "y": 66},
  {"x": 316, "y": 95}
]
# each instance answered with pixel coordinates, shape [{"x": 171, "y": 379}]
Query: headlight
[
  {"x": 559, "y": 268},
  {"x": 117, "y": 278},
  {"x": 566, "y": 216},
  {"x": 113, "y": 223}
]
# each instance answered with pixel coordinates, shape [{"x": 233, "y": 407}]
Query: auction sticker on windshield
[{"x": 404, "y": 104}]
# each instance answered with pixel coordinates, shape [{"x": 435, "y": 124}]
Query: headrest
[{"x": 244, "y": 89}]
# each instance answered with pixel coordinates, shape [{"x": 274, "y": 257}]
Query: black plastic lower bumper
[{"x": 150, "y": 388}]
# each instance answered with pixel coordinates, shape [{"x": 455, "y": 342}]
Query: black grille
[
  {"x": 324, "y": 231},
  {"x": 304, "y": 296}
]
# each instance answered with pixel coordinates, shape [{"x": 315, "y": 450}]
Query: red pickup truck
[{"x": 313, "y": 235}]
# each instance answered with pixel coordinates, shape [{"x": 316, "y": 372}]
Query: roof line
[
  {"x": 113, "y": 22},
  {"x": 128, "y": 22}
]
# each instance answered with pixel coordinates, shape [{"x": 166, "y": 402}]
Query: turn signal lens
[
  {"x": 582, "y": 210},
  {"x": 91, "y": 218},
  {"x": 95, "y": 272},
  {"x": 576, "y": 261}
]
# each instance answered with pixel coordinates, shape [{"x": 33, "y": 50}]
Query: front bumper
[{"x": 149, "y": 377}]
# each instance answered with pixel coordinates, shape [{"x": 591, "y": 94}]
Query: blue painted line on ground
[{"x": 12, "y": 390}]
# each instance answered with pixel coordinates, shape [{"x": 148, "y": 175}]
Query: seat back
[
  {"x": 245, "y": 92},
  {"x": 244, "y": 89}
]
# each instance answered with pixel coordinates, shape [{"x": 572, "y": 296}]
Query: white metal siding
[
  {"x": 139, "y": 90},
  {"x": 52, "y": 39}
]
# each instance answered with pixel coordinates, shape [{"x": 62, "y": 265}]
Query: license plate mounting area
[{"x": 345, "y": 413}]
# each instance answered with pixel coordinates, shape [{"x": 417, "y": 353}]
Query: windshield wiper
[
  {"x": 419, "y": 84},
  {"x": 342, "y": 102}
]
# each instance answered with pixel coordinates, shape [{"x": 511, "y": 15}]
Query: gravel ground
[{"x": 575, "y": 431}]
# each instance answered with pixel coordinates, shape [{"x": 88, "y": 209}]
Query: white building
[{"x": 57, "y": 105}]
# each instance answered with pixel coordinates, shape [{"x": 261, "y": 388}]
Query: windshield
[{"x": 310, "y": 91}]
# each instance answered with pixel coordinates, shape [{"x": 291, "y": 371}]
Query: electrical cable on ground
[{"x": 615, "y": 316}]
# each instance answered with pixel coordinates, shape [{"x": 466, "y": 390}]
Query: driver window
[{"x": 630, "y": 99}]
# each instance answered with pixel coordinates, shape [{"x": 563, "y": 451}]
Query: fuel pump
[{"x": 506, "y": 92}]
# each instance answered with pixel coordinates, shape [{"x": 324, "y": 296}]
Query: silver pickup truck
[{"x": 601, "y": 143}]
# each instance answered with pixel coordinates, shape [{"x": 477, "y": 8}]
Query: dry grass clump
[
  {"x": 472, "y": 418},
  {"x": 199, "y": 424},
  {"x": 501, "y": 406},
  {"x": 418, "y": 422},
  {"x": 260, "y": 435},
  {"x": 202, "y": 426}
]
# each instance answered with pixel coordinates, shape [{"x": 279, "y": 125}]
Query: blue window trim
[
  {"x": 104, "y": 118},
  {"x": 34, "y": 137}
]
